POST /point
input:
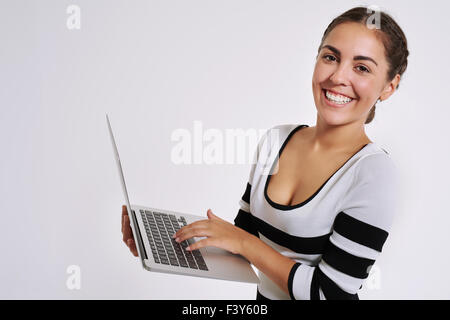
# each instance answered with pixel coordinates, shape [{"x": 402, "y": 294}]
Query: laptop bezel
[{"x": 133, "y": 221}]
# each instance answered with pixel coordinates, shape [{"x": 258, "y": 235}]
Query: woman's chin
[{"x": 332, "y": 118}]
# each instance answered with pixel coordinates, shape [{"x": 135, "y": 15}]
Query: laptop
[{"x": 153, "y": 229}]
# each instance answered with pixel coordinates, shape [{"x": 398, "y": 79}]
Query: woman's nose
[{"x": 340, "y": 75}]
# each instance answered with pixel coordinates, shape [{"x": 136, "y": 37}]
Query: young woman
[{"x": 315, "y": 228}]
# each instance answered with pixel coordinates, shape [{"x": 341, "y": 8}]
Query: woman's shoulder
[
  {"x": 280, "y": 132},
  {"x": 285, "y": 128},
  {"x": 374, "y": 156},
  {"x": 271, "y": 142},
  {"x": 375, "y": 165}
]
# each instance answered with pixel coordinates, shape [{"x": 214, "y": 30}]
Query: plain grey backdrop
[{"x": 156, "y": 66}]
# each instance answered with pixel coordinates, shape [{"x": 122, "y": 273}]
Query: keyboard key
[
  {"x": 173, "y": 262},
  {"x": 165, "y": 250},
  {"x": 184, "y": 263},
  {"x": 203, "y": 267}
]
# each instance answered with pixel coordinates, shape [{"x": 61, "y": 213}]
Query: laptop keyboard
[{"x": 160, "y": 227}]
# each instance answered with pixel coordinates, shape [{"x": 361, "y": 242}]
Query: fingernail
[
  {"x": 177, "y": 239},
  {"x": 188, "y": 248}
]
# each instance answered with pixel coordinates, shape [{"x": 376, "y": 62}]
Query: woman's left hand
[{"x": 219, "y": 233}]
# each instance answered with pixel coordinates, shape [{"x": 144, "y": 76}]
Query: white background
[{"x": 156, "y": 66}]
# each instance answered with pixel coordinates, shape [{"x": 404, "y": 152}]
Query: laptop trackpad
[
  {"x": 212, "y": 250},
  {"x": 217, "y": 251}
]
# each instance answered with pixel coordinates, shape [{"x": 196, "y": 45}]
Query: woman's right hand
[{"x": 127, "y": 232}]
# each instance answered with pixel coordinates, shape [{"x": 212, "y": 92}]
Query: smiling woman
[
  {"x": 315, "y": 227},
  {"x": 330, "y": 207},
  {"x": 339, "y": 49}
]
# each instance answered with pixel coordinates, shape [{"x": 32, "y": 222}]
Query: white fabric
[{"x": 365, "y": 188}]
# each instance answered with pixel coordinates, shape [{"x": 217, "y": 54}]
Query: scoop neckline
[{"x": 301, "y": 204}]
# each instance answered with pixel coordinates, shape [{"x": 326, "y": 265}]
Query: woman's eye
[
  {"x": 363, "y": 69},
  {"x": 331, "y": 58},
  {"x": 328, "y": 57}
]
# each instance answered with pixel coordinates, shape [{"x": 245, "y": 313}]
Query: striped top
[{"x": 336, "y": 234}]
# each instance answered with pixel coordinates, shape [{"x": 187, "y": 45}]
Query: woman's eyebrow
[{"x": 338, "y": 53}]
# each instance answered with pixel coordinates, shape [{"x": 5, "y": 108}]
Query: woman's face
[{"x": 351, "y": 70}]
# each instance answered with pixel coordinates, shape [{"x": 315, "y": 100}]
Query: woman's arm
[
  {"x": 269, "y": 261},
  {"x": 222, "y": 234}
]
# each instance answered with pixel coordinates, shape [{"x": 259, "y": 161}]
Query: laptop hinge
[{"x": 140, "y": 241}]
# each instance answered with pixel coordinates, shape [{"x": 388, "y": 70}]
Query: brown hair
[{"x": 392, "y": 36}]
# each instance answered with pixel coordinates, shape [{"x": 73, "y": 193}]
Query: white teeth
[{"x": 337, "y": 98}]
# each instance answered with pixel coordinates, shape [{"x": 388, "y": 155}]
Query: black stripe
[
  {"x": 347, "y": 263},
  {"x": 331, "y": 290},
  {"x": 360, "y": 232},
  {"x": 246, "y": 196},
  {"x": 314, "y": 291},
  {"x": 259, "y": 296},
  {"x": 312, "y": 245},
  {"x": 291, "y": 278},
  {"x": 244, "y": 221}
]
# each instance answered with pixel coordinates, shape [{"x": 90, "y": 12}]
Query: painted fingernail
[
  {"x": 188, "y": 248},
  {"x": 177, "y": 239}
]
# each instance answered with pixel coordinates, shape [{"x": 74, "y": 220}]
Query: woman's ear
[{"x": 390, "y": 88}]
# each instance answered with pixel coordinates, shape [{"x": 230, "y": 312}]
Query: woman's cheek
[{"x": 365, "y": 87}]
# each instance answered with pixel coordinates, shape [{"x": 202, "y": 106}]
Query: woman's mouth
[{"x": 336, "y": 100}]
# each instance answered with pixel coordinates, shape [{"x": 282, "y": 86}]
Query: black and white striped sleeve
[
  {"x": 243, "y": 219},
  {"x": 359, "y": 232}
]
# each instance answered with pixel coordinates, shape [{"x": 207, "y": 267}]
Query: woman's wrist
[
  {"x": 266, "y": 259},
  {"x": 247, "y": 244}
]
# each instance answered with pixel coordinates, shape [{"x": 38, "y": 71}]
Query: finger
[
  {"x": 127, "y": 234},
  {"x": 200, "y": 244},
  {"x": 192, "y": 234},
  {"x": 211, "y": 215},
  {"x": 132, "y": 246},
  {"x": 124, "y": 213},
  {"x": 199, "y": 230},
  {"x": 198, "y": 224}
]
